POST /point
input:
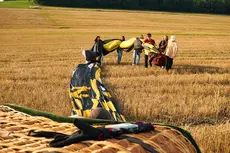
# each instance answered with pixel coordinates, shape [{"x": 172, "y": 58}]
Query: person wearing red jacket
[{"x": 150, "y": 41}]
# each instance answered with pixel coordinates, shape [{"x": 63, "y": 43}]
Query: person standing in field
[
  {"x": 152, "y": 42},
  {"x": 149, "y": 39},
  {"x": 120, "y": 52},
  {"x": 98, "y": 49},
  {"x": 171, "y": 52},
  {"x": 137, "y": 51},
  {"x": 163, "y": 44},
  {"x": 96, "y": 53}
]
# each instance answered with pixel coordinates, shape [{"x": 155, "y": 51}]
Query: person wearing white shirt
[{"x": 171, "y": 52}]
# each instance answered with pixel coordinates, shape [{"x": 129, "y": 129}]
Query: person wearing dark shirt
[
  {"x": 163, "y": 44},
  {"x": 98, "y": 49},
  {"x": 96, "y": 53}
]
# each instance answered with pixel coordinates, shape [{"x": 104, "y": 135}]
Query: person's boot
[{"x": 150, "y": 64}]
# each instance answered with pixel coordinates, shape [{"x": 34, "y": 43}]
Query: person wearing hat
[{"x": 171, "y": 52}]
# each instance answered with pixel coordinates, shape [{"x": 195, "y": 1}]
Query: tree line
[{"x": 197, "y": 6}]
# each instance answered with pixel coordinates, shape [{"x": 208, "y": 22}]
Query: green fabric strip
[
  {"x": 61, "y": 119},
  {"x": 185, "y": 134}
]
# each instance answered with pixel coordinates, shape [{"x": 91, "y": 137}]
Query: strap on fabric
[
  {"x": 46, "y": 134},
  {"x": 138, "y": 141}
]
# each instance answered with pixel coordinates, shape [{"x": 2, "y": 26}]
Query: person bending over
[{"x": 162, "y": 47}]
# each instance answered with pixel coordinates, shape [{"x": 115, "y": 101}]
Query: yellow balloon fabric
[
  {"x": 127, "y": 43},
  {"x": 112, "y": 45}
]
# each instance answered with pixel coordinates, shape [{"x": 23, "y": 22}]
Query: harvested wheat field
[{"x": 40, "y": 49}]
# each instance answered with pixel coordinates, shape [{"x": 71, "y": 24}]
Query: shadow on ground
[
  {"x": 183, "y": 69},
  {"x": 196, "y": 69},
  {"x": 115, "y": 63}
]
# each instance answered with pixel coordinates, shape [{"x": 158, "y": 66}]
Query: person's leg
[
  {"x": 119, "y": 55},
  {"x": 163, "y": 61},
  {"x": 101, "y": 60},
  {"x": 151, "y": 60},
  {"x": 134, "y": 57},
  {"x": 168, "y": 63},
  {"x": 138, "y": 57},
  {"x": 146, "y": 61},
  {"x": 171, "y": 63}
]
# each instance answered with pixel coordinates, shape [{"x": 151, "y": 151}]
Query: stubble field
[{"x": 40, "y": 48}]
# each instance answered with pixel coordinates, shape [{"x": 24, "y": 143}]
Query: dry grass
[
  {"x": 212, "y": 138},
  {"x": 40, "y": 49}
]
